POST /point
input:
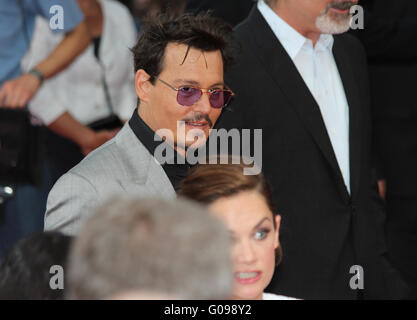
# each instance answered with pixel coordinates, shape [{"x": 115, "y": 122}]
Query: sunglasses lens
[
  {"x": 187, "y": 96},
  {"x": 220, "y": 99}
]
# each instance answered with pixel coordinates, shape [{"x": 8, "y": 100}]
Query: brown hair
[
  {"x": 207, "y": 183},
  {"x": 201, "y": 32}
]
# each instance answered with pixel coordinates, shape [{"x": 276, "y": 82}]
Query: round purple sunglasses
[{"x": 187, "y": 95}]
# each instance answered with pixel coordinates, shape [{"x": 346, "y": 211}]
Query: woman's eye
[{"x": 261, "y": 234}]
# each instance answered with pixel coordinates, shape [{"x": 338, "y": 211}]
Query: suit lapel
[
  {"x": 141, "y": 166},
  {"x": 345, "y": 66},
  {"x": 286, "y": 76}
]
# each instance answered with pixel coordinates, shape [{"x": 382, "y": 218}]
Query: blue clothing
[
  {"x": 14, "y": 40},
  {"x": 23, "y": 214}
]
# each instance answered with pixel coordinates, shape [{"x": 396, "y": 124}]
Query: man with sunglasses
[{"x": 179, "y": 67}]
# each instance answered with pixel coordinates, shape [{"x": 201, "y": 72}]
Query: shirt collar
[
  {"x": 325, "y": 41},
  {"x": 291, "y": 39},
  {"x": 147, "y": 137}
]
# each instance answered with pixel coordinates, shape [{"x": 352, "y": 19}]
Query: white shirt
[
  {"x": 272, "y": 296},
  {"x": 318, "y": 68},
  {"x": 79, "y": 89}
]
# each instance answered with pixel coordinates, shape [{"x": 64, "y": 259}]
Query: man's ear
[
  {"x": 278, "y": 224},
  {"x": 143, "y": 85}
]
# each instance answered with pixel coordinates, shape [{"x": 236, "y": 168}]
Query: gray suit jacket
[{"x": 121, "y": 166}]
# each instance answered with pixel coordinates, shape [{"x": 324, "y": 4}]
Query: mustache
[
  {"x": 340, "y": 5},
  {"x": 199, "y": 118}
]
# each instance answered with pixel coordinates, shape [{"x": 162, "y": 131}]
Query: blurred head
[
  {"x": 244, "y": 203},
  {"x": 155, "y": 247},
  {"x": 317, "y": 16},
  {"x": 150, "y": 9},
  {"x": 25, "y": 272},
  {"x": 140, "y": 7},
  {"x": 186, "y": 53},
  {"x": 171, "y": 7},
  {"x": 88, "y": 6},
  {"x": 142, "y": 295}
]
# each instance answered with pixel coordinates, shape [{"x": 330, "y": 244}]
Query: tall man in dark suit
[
  {"x": 308, "y": 91},
  {"x": 389, "y": 38}
]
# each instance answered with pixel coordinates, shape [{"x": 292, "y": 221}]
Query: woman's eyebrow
[{"x": 260, "y": 223}]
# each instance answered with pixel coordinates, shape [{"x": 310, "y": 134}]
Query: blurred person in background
[
  {"x": 244, "y": 204},
  {"x": 146, "y": 10},
  {"x": 28, "y": 269},
  {"x": 133, "y": 248},
  {"x": 390, "y": 40},
  {"x": 232, "y": 11},
  {"x": 172, "y": 8},
  {"x": 179, "y": 66},
  {"x": 99, "y": 85},
  {"x": 17, "y": 25},
  {"x": 22, "y": 211}
]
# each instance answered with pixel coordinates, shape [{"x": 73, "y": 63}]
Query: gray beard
[{"x": 328, "y": 25}]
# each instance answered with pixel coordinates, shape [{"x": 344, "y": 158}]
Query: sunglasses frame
[{"x": 209, "y": 91}]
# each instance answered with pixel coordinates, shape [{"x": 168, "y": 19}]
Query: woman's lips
[{"x": 248, "y": 277}]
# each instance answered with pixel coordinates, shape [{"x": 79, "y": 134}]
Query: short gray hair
[{"x": 170, "y": 247}]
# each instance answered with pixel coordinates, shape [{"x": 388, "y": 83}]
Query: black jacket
[
  {"x": 324, "y": 230},
  {"x": 390, "y": 40}
]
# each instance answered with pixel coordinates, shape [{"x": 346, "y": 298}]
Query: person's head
[
  {"x": 315, "y": 16},
  {"x": 171, "y": 7},
  {"x": 88, "y": 7},
  {"x": 174, "y": 58},
  {"x": 244, "y": 203},
  {"x": 163, "y": 248},
  {"x": 25, "y": 271},
  {"x": 141, "y": 7}
]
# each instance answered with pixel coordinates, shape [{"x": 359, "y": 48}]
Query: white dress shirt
[
  {"x": 318, "y": 68},
  {"x": 79, "y": 89},
  {"x": 273, "y": 296}
]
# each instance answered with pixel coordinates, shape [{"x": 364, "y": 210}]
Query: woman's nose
[{"x": 245, "y": 252}]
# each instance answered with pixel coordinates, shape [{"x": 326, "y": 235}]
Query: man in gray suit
[{"x": 179, "y": 67}]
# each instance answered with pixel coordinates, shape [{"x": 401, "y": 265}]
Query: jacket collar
[{"x": 274, "y": 58}]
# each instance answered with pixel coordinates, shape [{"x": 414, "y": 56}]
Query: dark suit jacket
[
  {"x": 324, "y": 231},
  {"x": 390, "y": 40}
]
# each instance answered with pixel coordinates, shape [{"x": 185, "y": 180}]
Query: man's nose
[{"x": 203, "y": 105}]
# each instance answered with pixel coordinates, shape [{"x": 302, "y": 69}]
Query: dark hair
[
  {"x": 200, "y": 31},
  {"x": 25, "y": 270},
  {"x": 206, "y": 183}
]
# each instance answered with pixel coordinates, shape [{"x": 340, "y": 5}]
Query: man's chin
[
  {"x": 194, "y": 145},
  {"x": 334, "y": 23}
]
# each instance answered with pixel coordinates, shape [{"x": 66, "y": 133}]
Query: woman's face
[{"x": 250, "y": 222}]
